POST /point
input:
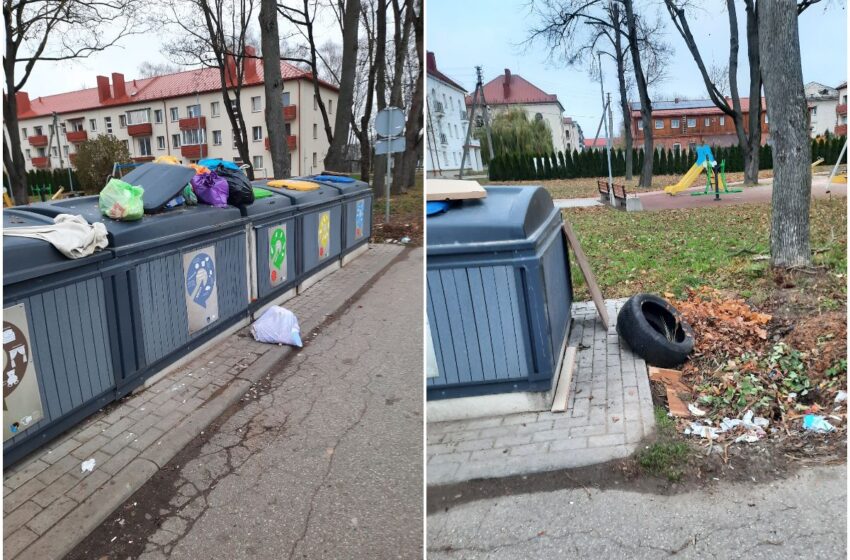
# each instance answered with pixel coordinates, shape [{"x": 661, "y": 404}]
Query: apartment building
[
  {"x": 448, "y": 123},
  {"x": 180, "y": 114},
  {"x": 687, "y": 124},
  {"x": 822, "y": 102},
  {"x": 573, "y": 135},
  {"x": 841, "y": 111}
]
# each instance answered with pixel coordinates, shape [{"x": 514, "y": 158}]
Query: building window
[
  {"x": 315, "y": 131},
  {"x": 692, "y": 123},
  {"x": 122, "y": 121},
  {"x": 284, "y": 98},
  {"x": 54, "y": 151},
  {"x": 29, "y": 153},
  {"x": 677, "y": 147},
  {"x": 217, "y": 137},
  {"x": 706, "y": 121},
  {"x": 193, "y": 111},
  {"x": 63, "y": 128},
  {"x": 127, "y": 145},
  {"x": 157, "y": 116},
  {"x": 50, "y": 128},
  {"x": 674, "y": 123},
  {"x": 722, "y": 121},
  {"x": 257, "y": 133},
  {"x": 256, "y": 105},
  {"x": 140, "y": 116},
  {"x": 288, "y": 127},
  {"x": 640, "y": 124},
  {"x": 538, "y": 116},
  {"x": 175, "y": 114},
  {"x": 65, "y": 149},
  {"x": 175, "y": 140},
  {"x": 330, "y": 105},
  {"x": 659, "y": 123},
  {"x": 315, "y": 160},
  {"x": 692, "y": 146},
  {"x": 193, "y": 137},
  {"x": 215, "y": 108},
  {"x": 815, "y": 111},
  {"x": 315, "y": 102},
  {"x": 93, "y": 125},
  {"x": 160, "y": 142},
  {"x": 145, "y": 146},
  {"x": 844, "y": 99},
  {"x": 24, "y": 132},
  {"x": 258, "y": 162}
]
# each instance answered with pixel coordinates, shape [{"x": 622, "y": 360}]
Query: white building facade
[
  {"x": 573, "y": 135},
  {"x": 822, "y": 101},
  {"x": 447, "y": 123},
  {"x": 179, "y": 114}
]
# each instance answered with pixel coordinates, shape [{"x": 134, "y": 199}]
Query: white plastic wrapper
[{"x": 277, "y": 326}]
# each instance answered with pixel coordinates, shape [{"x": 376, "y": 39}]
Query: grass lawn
[
  {"x": 406, "y": 215},
  {"x": 668, "y": 251},
  {"x": 586, "y": 187}
]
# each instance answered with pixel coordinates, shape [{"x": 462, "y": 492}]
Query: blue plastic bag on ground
[{"x": 211, "y": 189}]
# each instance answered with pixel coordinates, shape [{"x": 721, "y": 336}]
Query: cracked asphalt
[
  {"x": 322, "y": 459},
  {"x": 803, "y": 516}
]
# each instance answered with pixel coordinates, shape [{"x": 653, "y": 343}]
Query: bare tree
[
  {"x": 335, "y": 158},
  {"x": 273, "y": 86},
  {"x": 365, "y": 91},
  {"x": 406, "y": 174},
  {"x": 152, "y": 69},
  {"x": 749, "y": 136},
  {"x": 642, "y": 87},
  {"x": 782, "y": 71},
  {"x": 53, "y": 31},
  {"x": 221, "y": 42}
]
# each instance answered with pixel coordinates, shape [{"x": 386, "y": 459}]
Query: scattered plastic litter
[
  {"x": 695, "y": 411},
  {"x": 841, "y": 396},
  {"x": 405, "y": 240},
  {"x": 277, "y": 326},
  {"x": 817, "y": 423},
  {"x": 88, "y": 465},
  {"x": 754, "y": 428}
]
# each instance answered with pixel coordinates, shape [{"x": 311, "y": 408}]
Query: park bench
[
  {"x": 619, "y": 192},
  {"x": 603, "y": 191}
]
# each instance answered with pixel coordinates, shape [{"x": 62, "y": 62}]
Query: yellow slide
[{"x": 686, "y": 181}]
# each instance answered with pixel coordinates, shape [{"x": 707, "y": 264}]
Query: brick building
[
  {"x": 178, "y": 114},
  {"x": 686, "y": 124}
]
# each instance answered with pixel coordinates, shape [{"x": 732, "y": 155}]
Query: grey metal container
[
  {"x": 318, "y": 226},
  {"x": 498, "y": 293},
  {"x": 357, "y": 203},
  {"x": 64, "y": 301},
  {"x": 177, "y": 279}
]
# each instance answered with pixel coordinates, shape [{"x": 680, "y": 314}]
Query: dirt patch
[{"x": 399, "y": 228}]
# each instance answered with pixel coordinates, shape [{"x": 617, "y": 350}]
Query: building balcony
[
  {"x": 464, "y": 116},
  {"x": 290, "y": 112},
  {"x": 142, "y": 159},
  {"x": 38, "y": 141},
  {"x": 77, "y": 136},
  {"x": 841, "y": 130},
  {"x": 194, "y": 151},
  {"x": 143, "y": 129},
  {"x": 193, "y": 123},
  {"x": 41, "y": 162},
  {"x": 841, "y": 109},
  {"x": 443, "y": 139},
  {"x": 291, "y": 142},
  {"x": 439, "y": 110}
]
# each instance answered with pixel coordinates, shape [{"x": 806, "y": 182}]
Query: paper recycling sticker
[
  {"x": 201, "y": 292},
  {"x": 324, "y": 233},
  {"x": 277, "y": 254},
  {"x": 21, "y": 399},
  {"x": 359, "y": 218}
]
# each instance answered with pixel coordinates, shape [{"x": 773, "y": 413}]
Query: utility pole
[
  {"x": 479, "y": 91},
  {"x": 607, "y": 129}
]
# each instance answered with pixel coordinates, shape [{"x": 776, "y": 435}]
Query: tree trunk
[
  {"x": 13, "y": 158},
  {"x": 275, "y": 125},
  {"x": 779, "y": 51},
  {"x": 413, "y": 127},
  {"x": 335, "y": 159},
  {"x": 379, "y": 163},
  {"x": 751, "y": 160},
  {"x": 645, "y": 103},
  {"x": 624, "y": 95}
]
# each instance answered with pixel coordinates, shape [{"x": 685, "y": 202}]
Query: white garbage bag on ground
[{"x": 277, "y": 326}]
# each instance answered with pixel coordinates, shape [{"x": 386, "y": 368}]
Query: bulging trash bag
[
  {"x": 189, "y": 196},
  {"x": 277, "y": 326},
  {"x": 121, "y": 201},
  {"x": 211, "y": 189},
  {"x": 241, "y": 192}
]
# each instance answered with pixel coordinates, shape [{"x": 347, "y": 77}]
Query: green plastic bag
[
  {"x": 121, "y": 201},
  {"x": 189, "y": 196},
  {"x": 261, "y": 193}
]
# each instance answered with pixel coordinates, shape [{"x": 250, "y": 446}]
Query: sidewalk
[
  {"x": 608, "y": 413},
  {"x": 50, "y": 505}
]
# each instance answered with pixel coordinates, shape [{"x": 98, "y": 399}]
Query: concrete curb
[{"x": 89, "y": 514}]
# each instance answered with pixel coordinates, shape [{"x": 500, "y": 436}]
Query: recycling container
[
  {"x": 176, "y": 280},
  {"x": 271, "y": 248},
  {"x": 55, "y": 338},
  {"x": 318, "y": 229},
  {"x": 357, "y": 205},
  {"x": 498, "y": 293}
]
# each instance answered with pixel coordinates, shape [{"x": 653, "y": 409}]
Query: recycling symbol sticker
[
  {"x": 200, "y": 278},
  {"x": 277, "y": 254}
]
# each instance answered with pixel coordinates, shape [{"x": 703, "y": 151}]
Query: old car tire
[{"x": 655, "y": 330}]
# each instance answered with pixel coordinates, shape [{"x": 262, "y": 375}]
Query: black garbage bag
[{"x": 240, "y": 192}]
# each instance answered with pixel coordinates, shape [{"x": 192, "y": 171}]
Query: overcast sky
[{"x": 486, "y": 33}]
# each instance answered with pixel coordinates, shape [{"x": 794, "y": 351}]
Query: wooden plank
[
  {"x": 581, "y": 259},
  {"x": 672, "y": 380},
  {"x": 562, "y": 391},
  {"x": 453, "y": 189}
]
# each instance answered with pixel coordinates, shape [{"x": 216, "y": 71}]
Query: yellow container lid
[{"x": 293, "y": 185}]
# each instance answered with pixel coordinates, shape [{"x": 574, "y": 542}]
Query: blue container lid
[
  {"x": 507, "y": 214},
  {"x": 304, "y": 199},
  {"x": 152, "y": 230},
  {"x": 349, "y": 187},
  {"x": 334, "y": 178},
  {"x": 25, "y": 258}
]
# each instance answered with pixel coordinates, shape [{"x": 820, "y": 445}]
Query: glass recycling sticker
[
  {"x": 277, "y": 254},
  {"x": 22, "y": 406},
  {"x": 201, "y": 291}
]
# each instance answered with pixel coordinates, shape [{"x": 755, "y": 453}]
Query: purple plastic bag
[{"x": 211, "y": 189}]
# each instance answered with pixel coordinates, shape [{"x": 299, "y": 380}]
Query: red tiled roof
[
  {"x": 432, "y": 71},
  {"x": 152, "y": 89},
  {"x": 595, "y": 142},
  {"x": 518, "y": 91},
  {"x": 691, "y": 108}
]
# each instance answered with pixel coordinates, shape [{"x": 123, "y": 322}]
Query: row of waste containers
[{"x": 90, "y": 330}]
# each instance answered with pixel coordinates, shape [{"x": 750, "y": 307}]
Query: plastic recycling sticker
[
  {"x": 324, "y": 234},
  {"x": 277, "y": 254},
  {"x": 359, "y": 218},
  {"x": 201, "y": 291},
  {"x": 21, "y": 398}
]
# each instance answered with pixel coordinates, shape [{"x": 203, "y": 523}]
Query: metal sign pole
[{"x": 387, "y": 186}]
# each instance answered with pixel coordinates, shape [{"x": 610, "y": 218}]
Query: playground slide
[{"x": 686, "y": 181}]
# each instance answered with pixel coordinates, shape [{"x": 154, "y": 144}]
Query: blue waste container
[
  {"x": 177, "y": 279},
  {"x": 318, "y": 227},
  {"x": 55, "y": 321},
  {"x": 357, "y": 203},
  {"x": 498, "y": 293}
]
